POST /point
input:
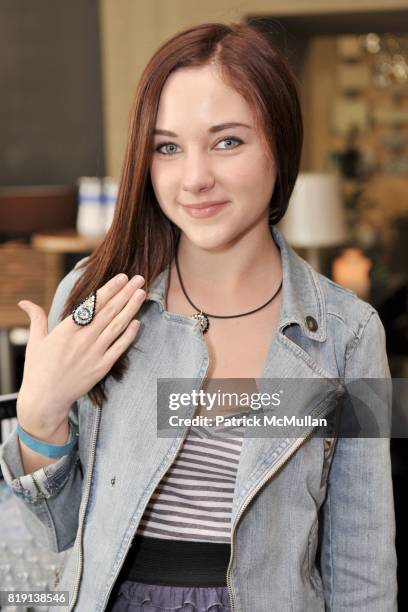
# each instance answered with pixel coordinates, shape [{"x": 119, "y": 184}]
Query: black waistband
[{"x": 176, "y": 562}]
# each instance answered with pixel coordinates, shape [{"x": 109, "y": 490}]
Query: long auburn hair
[{"x": 141, "y": 239}]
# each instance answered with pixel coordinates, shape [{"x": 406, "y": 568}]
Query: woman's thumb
[{"x": 38, "y": 319}]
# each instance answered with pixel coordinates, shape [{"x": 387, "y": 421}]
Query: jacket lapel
[{"x": 308, "y": 386}]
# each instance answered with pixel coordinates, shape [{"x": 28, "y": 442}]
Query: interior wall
[
  {"x": 51, "y": 103},
  {"x": 319, "y": 76},
  {"x": 132, "y": 30}
]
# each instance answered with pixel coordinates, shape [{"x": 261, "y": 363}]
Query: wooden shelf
[{"x": 64, "y": 241}]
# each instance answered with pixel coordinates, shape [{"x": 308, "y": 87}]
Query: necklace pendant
[{"x": 203, "y": 321}]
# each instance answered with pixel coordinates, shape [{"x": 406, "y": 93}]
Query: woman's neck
[{"x": 241, "y": 276}]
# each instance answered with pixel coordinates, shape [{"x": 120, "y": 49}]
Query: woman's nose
[{"x": 197, "y": 174}]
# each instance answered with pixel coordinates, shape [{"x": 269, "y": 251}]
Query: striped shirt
[{"x": 193, "y": 501}]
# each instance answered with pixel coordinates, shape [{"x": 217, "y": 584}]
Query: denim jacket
[{"x": 293, "y": 496}]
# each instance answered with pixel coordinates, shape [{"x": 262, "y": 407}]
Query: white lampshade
[{"x": 315, "y": 215}]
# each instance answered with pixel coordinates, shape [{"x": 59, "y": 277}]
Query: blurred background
[{"x": 68, "y": 74}]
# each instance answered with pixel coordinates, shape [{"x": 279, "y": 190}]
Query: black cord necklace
[{"x": 202, "y": 317}]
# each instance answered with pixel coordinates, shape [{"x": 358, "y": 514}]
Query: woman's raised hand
[{"x": 66, "y": 363}]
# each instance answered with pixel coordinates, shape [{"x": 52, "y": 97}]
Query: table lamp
[{"x": 315, "y": 216}]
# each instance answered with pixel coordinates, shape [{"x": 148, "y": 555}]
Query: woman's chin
[{"x": 208, "y": 239}]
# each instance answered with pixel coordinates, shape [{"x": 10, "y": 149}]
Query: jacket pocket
[
  {"x": 329, "y": 443},
  {"x": 328, "y": 449},
  {"x": 314, "y": 575}
]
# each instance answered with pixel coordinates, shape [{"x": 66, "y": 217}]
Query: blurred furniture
[
  {"x": 24, "y": 564},
  {"x": 24, "y": 210},
  {"x": 8, "y": 412},
  {"x": 57, "y": 245},
  {"x": 28, "y": 274},
  {"x": 32, "y": 272},
  {"x": 315, "y": 215}
]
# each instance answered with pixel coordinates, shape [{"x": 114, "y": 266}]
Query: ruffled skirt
[{"x": 135, "y": 596}]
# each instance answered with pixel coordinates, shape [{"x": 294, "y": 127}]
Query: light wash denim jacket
[{"x": 292, "y": 494}]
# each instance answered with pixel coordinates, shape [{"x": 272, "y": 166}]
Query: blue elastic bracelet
[{"x": 49, "y": 450}]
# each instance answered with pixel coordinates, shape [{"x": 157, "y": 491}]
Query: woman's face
[{"x": 201, "y": 161}]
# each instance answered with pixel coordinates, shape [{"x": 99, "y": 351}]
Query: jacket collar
[{"x": 302, "y": 294}]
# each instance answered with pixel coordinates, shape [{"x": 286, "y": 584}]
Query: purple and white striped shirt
[{"x": 193, "y": 501}]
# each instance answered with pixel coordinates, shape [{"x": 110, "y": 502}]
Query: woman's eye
[
  {"x": 229, "y": 139},
  {"x": 171, "y": 151},
  {"x": 166, "y": 144}
]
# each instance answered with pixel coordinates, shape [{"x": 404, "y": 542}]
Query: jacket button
[{"x": 311, "y": 323}]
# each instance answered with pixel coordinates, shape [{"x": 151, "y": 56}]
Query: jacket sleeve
[
  {"x": 358, "y": 557},
  {"x": 49, "y": 498}
]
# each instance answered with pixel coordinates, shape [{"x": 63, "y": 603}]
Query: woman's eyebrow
[{"x": 212, "y": 130}]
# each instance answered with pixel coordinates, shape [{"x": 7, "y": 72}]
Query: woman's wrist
[{"x": 56, "y": 445}]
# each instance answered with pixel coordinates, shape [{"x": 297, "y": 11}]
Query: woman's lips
[{"x": 208, "y": 211}]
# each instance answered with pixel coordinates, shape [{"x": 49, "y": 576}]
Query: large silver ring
[{"x": 84, "y": 313}]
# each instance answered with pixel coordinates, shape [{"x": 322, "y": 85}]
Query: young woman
[{"x": 301, "y": 522}]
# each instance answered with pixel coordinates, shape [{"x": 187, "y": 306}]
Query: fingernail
[
  {"x": 121, "y": 278},
  {"x": 137, "y": 281}
]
